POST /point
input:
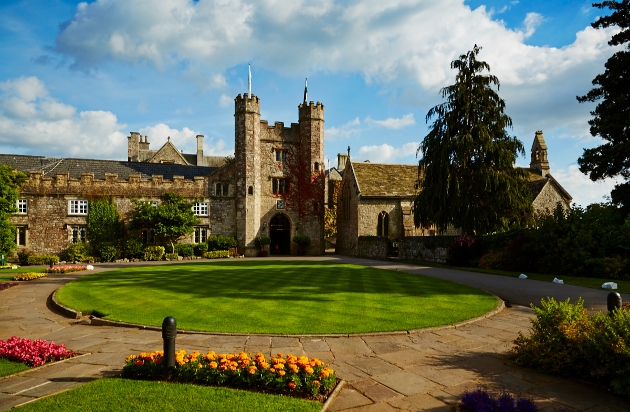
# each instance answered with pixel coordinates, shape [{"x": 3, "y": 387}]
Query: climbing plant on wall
[{"x": 104, "y": 226}]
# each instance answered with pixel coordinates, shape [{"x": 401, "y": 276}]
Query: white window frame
[
  {"x": 79, "y": 234},
  {"x": 22, "y": 206},
  {"x": 20, "y": 229},
  {"x": 78, "y": 207},
  {"x": 200, "y": 209}
]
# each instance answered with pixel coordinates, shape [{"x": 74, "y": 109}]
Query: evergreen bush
[
  {"x": 171, "y": 256},
  {"x": 200, "y": 249},
  {"x": 185, "y": 249},
  {"x": 153, "y": 252},
  {"x": 217, "y": 254},
  {"x": 108, "y": 252},
  {"x": 134, "y": 248},
  {"x": 43, "y": 259},
  {"x": 77, "y": 252}
]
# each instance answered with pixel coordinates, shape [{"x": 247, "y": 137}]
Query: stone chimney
[
  {"x": 342, "y": 159},
  {"x": 200, "y": 160}
]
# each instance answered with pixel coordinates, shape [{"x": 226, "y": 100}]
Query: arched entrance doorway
[{"x": 280, "y": 234}]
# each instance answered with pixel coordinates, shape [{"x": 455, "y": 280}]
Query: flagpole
[
  {"x": 305, "y": 90},
  {"x": 249, "y": 80}
]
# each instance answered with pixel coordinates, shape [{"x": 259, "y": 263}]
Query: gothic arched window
[{"x": 382, "y": 229}]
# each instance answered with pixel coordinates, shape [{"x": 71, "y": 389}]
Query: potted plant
[
  {"x": 262, "y": 242},
  {"x": 302, "y": 241}
]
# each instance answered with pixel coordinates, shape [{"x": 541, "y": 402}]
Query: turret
[{"x": 539, "y": 159}]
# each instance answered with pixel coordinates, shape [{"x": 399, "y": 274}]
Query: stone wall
[
  {"x": 430, "y": 248},
  {"x": 372, "y": 247},
  {"x": 547, "y": 199}
]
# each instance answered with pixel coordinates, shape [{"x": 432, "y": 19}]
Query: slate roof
[
  {"x": 386, "y": 180},
  {"x": 51, "y": 166},
  {"x": 537, "y": 182}
]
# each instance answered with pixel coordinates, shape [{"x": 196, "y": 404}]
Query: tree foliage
[
  {"x": 467, "y": 172},
  {"x": 171, "y": 219},
  {"x": 10, "y": 182},
  {"x": 611, "y": 117},
  {"x": 104, "y": 225}
]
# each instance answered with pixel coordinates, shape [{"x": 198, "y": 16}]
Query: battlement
[
  {"x": 248, "y": 103},
  {"x": 134, "y": 186},
  {"x": 279, "y": 132},
  {"x": 311, "y": 111}
]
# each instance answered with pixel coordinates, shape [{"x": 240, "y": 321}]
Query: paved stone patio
[{"x": 424, "y": 371}]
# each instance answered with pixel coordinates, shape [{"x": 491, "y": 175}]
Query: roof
[
  {"x": 386, "y": 180},
  {"x": 51, "y": 166},
  {"x": 537, "y": 182}
]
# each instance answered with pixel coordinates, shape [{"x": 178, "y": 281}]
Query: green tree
[
  {"x": 10, "y": 182},
  {"x": 171, "y": 219},
  {"x": 611, "y": 119},
  {"x": 104, "y": 227},
  {"x": 467, "y": 172}
]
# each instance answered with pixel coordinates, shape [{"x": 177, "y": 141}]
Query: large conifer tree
[
  {"x": 611, "y": 119},
  {"x": 467, "y": 172}
]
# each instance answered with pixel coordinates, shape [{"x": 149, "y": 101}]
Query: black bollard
[
  {"x": 169, "y": 331},
  {"x": 614, "y": 301}
]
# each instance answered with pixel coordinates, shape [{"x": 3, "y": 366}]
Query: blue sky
[{"x": 76, "y": 78}]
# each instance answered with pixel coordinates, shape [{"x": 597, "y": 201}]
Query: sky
[{"x": 77, "y": 77}]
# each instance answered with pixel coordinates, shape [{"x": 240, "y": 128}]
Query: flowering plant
[
  {"x": 29, "y": 276},
  {"x": 33, "y": 352},
  {"x": 292, "y": 373},
  {"x": 65, "y": 269},
  {"x": 482, "y": 401}
]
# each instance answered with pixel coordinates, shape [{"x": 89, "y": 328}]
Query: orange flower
[
  {"x": 279, "y": 354},
  {"x": 213, "y": 365},
  {"x": 222, "y": 367},
  {"x": 294, "y": 368},
  {"x": 281, "y": 373},
  {"x": 291, "y": 385},
  {"x": 199, "y": 366},
  {"x": 272, "y": 370},
  {"x": 139, "y": 363},
  {"x": 308, "y": 370},
  {"x": 130, "y": 357},
  {"x": 316, "y": 383},
  {"x": 252, "y": 370}
]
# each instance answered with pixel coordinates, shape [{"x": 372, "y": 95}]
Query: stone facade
[{"x": 274, "y": 186}]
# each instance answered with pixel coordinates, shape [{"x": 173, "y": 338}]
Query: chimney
[
  {"x": 342, "y": 159},
  {"x": 200, "y": 160}
]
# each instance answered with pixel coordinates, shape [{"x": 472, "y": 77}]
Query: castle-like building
[{"x": 273, "y": 187}]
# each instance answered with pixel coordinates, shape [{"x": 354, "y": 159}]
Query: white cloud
[
  {"x": 225, "y": 100},
  {"x": 583, "y": 189},
  {"x": 350, "y": 129},
  {"x": 393, "y": 122},
  {"x": 386, "y": 153},
  {"x": 31, "y": 119},
  {"x": 532, "y": 21}
]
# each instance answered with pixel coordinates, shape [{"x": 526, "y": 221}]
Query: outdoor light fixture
[{"x": 264, "y": 226}]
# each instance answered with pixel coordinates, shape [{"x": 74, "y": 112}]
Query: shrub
[
  {"x": 43, "y": 259},
  {"x": 221, "y": 242},
  {"x": 301, "y": 374},
  {"x": 184, "y": 249},
  {"x": 200, "y": 249},
  {"x": 262, "y": 241},
  {"x": 103, "y": 223},
  {"x": 491, "y": 260},
  {"x": 23, "y": 255},
  {"x": 153, "y": 252},
  {"x": 29, "y": 276},
  {"x": 564, "y": 340},
  {"x": 171, "y": 256},
  {"x": 134, "y": 248},
  {"x": 216, "y": 254},
  {"x": 482, "y": 401},
  {"x": 108, "y": 252},
  {"x": 77, "y": 252},
  {"x": 302, "y": 240},
  {"x": 33, "y": 353}
]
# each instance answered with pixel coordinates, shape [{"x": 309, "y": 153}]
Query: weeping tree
[{"x": 466, "y": 172}]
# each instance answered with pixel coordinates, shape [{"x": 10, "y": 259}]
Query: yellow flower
[
  {"x": 199, "y": 366},
  {"x": 213, "y": 365},
  {"x": 308, "y": 370},
  {"x": 281, "y": 372},
  {"x": 252, "y": 370}
]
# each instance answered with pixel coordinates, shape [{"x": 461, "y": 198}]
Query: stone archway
[{"x": 280, "y": 234}]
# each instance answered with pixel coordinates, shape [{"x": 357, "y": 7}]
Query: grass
[
  {"x": 592, "y": 283},
  {"x": 112, "y": 394},
  {"x": 9, "y": 368},
  {"x": 7, "y": 274},
  {"x": 251, "y": 296}
]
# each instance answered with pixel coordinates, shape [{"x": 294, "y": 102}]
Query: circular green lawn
[{"x": 279, "y": 297}]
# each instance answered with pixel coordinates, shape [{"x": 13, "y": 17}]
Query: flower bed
[
  {"x": 33, "y": 352},
  {"x": 292, "y": 375},
  {"x": 9, "y": 266},
  {"x": 7, "y": 285},
  {"x": 65, "y": 269},
  {"x": 29, "y": 276},
  {"x": 482, "y": 401}
]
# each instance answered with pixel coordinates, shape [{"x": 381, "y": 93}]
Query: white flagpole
[
  {"x": 305, "y": 90},
  {"x": 249, "y": 80}
]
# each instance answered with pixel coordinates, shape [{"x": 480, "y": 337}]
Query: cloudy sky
[{"x": 77, "y": 77}]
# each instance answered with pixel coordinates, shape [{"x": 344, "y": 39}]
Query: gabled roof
[
  {"x": 168, "y": 153},
  {"x": 51, "y": 166},
  {"x": 386, "y": 180},
  {"x": 537, "y": 183}
]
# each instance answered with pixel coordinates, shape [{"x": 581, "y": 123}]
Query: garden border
[{"x": 71, "y": 313}]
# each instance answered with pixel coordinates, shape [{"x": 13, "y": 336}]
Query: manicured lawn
[
  {"x": 8, "y": 368},
  {"x": 7, "y": 274},
  {"x": 592, "y": 283},
  {"x": 110, "y": 394},
  {"x": 266, "y": 296}
]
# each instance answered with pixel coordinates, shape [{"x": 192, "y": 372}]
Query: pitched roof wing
[{"x": 386, "y": 180}]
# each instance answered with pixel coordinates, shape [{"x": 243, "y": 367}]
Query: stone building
[
  {"x": 377, "y": 199},
  {"x": 273, "y": 187}
]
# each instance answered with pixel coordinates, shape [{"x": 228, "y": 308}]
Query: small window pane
[
  {"x": 22, "y": 206},
  {"x": 78, "y": 207}
]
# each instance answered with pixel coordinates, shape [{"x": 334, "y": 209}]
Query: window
[
  {"x": 221, "y": 189},
  {"x": 22, "y": 206},
  {"x": 200, "y": 209},
  {"x": 21, "y": 236},
  {"x": 250, "y": 190},
  {"x": 79, "y": 234},
  {"x": 316, "y": 166},
  {"x": 201, "y": 234},
  {"x": 281, "y": 156},
  {"x": 382, "y": 229},
  {"x": 77, "y": 207},
  {"x": 280, "y": 186},
  {"x": 148, "y": 236}
]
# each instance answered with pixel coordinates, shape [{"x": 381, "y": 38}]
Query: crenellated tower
[{"x": 247, "y": 168}]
